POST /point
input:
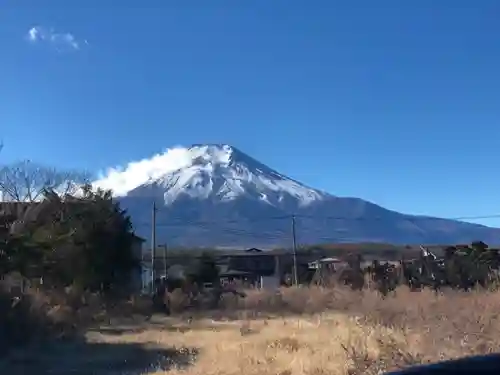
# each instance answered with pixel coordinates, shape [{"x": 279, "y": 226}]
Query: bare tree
[{"x": 27, "y": 181}]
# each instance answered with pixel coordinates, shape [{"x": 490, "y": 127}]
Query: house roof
[
  {"x": 138, "y": 238},
  {"x": 253, "y": 250}
]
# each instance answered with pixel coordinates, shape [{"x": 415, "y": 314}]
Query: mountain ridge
[{"x": 218, "y": 183}]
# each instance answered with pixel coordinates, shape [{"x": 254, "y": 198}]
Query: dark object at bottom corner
[{"x": 478, "y": 365}]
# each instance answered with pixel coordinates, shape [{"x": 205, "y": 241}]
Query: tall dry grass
[
  {"x": 337, "y": 331},
  {"x": 452, "y": 323},
  {"x": 36, "y": 315},
  {"x": 303, "y": 331}
]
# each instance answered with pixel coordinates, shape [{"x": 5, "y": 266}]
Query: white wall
[{"x": 269, "y": 282}]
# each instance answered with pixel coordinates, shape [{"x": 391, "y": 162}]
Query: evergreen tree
[{"x": 101, "y": 247}]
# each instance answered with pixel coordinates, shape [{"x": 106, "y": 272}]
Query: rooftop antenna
[{"x": 427, "y": 252}]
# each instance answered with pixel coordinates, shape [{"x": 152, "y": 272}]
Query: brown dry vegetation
[
  {"x": 296, "y": 331},
  {"x": 38, "y": 316}
]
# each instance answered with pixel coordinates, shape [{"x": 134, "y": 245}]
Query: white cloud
[
  {"x": 38, "y": 34},
  {"x": 34, "y": 34},
  {"x": 121, "y": 180}
]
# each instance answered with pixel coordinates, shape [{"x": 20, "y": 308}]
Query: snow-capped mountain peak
[
  {"x": 220, "y": 185},
  {"x": 218, "y": 171}
]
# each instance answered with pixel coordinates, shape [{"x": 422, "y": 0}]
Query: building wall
[
  {"x": 270, "y": 282},
  {"x": 136, "y": 282}
]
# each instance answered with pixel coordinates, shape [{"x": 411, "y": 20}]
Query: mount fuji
[{"x": 216, "y": 195}]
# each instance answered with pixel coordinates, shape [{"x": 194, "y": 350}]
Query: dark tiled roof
[{"x": 253, "y": 250}]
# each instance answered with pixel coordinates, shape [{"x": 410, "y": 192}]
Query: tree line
[{"x": 57, "y": 229}]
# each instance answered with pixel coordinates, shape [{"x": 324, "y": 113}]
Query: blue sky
[{"x": 396, "y": 102}]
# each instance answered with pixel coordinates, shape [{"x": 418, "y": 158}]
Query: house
[
  {"x": 253, "y": 266},
  {"x": 136, "y": 279},
  {"x": 137, "y": 246}
]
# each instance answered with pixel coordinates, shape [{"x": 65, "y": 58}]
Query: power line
[
  {"x": 280, "y": 234},
  {"x": 180, "y": 222}
]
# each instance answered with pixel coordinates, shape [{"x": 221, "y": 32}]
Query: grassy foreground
[{"x": 298, "y": 331}]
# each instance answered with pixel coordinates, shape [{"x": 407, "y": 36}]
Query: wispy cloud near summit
[
  {"x": 39, "y": 34},
  {"x": 123, "y": 179}
]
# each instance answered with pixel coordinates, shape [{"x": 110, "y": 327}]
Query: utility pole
[
  {"x": 153, "y": 247},
  {"x": 295, "y": 272},
  {"x": 165, "y": 261}
]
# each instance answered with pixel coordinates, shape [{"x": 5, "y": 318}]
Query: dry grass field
[{"x": 310, "y": 331}]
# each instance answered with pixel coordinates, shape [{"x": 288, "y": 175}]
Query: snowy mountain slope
[
  {"x": 225, "y": 173},
  {"x": 212, "y": 195}
]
